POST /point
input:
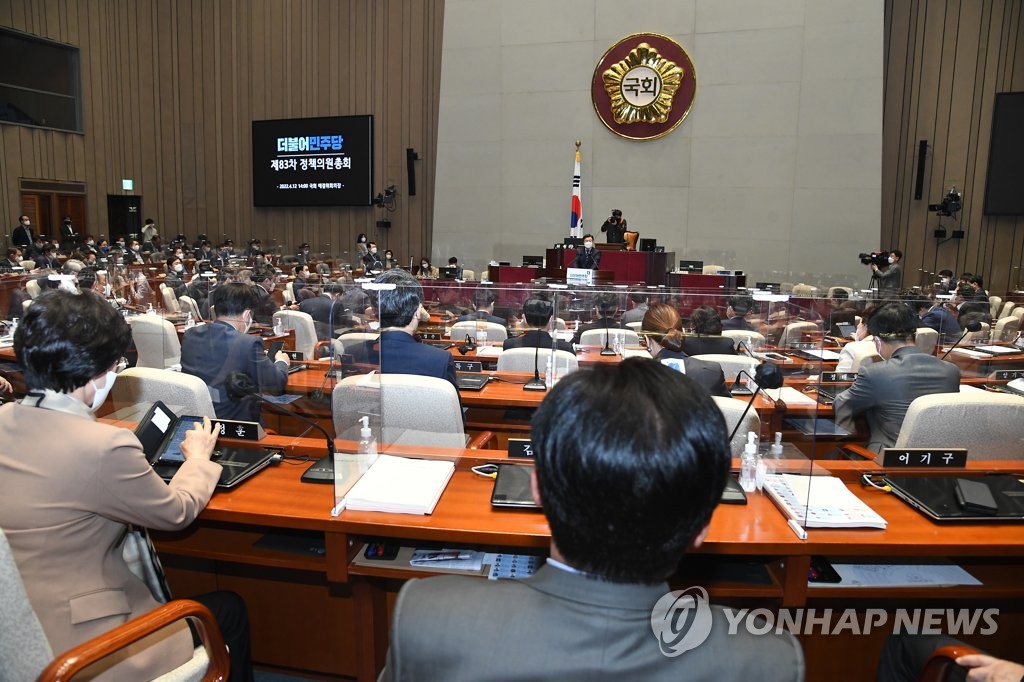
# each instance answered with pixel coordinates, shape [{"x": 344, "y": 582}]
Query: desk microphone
[
  {"x": 971, "y": 327},
  {"x": 536, "y": 383},
  {"x": 746, "y": 348},
  {"x": 469, "y": 345},
  {"x": 607, "y": 350},
  {"x": 239, "y": 385},
  {"x": 766, "y": 375}
]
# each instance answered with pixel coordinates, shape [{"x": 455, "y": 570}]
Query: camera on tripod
[
  {"x": 950, "y": 205},
  {"x": 880, "y": 259}
]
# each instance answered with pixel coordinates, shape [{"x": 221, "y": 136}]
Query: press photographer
[{"x": 615, "y": 227}]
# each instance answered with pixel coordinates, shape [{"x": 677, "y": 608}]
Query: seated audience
[
  {"x": 636, "y": 313},
  {"x": 665, "y": 340},
  {"x": 72, "y": 486},
  {"x": 883, "y": 391},
  {"x": 537, "y": 318},
  {"x": 174, "y": 279},
  {"x": 862, "y": 346},
  {"x": 263, "y": 285},
  {"x": 13, "y": 260},
  {"x": 214, "y": 351},
  {"x": 625, "y": 493},
  {"x": 707, "y": 336},
  {"x": 606, "y": 304},
  {"x": 398, "y": 311},
  {"x": 977, "y": 284},
  {"x": 737, "y": 309},
  {"x": 937, "y": 316},
  {"x": 453, "y": 266},
  {"x": 841, "y": 311},
  {"x": 325, "y": 309},
  {"x": 483, "y": 301},
  {"x": 372, "y": 261},
  {"x": 425, "y": 270}
]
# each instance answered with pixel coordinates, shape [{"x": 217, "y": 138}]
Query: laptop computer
[
  {"x": 937, "y": 496},
  {"x": 161, "y": 433}
]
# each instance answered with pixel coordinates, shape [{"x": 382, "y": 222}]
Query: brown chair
[
  {"x": 631, "y": 237},
  {"x": 943, "y": 661}
]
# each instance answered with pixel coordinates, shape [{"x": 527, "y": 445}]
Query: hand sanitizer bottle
[
  {"x": 748, "y": 468},
  {"x": 367, "y": 444},
  {"x": 189, "y": 322}
]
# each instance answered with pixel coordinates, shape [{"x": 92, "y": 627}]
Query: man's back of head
[
  {"x": 606, "y": 304},
  {"x": 894, "y": 323},
  {"x": 231, "y": 299},
  {"x": 397, "y": 307},
  {"x": 537, "y": 311},
  {"x": 626, "y": 494}
]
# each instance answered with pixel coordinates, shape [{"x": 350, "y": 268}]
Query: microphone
[
  {"x": 745, "y": 347},
  {"x": 536, "y": 383},
  {"x": 766, "y": 375},
  {"x": 607, "y": 350},
  {"x": 240, "y": 385},
  {"x": 971, "y": 327},
  {"x": 469, "y": 345}
]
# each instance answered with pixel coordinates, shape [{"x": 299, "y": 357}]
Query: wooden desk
[
  {"x": 627, "y": 267},
  {"x": 317, "y": 611}
]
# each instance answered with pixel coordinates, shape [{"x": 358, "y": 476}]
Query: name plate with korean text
[{"x": 929, "y": 458}]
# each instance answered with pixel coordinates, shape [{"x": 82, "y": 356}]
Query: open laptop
[
  {"x": 161, "y": 433},
  {"x": 937, "y": 496}
]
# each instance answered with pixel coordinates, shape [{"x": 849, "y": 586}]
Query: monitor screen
[
  {"x": 537, "y": 261},
  {"x": 1004, "y": 178},
  {"x": 313, "y": 161},
  {"x": 691, "y": 265}
]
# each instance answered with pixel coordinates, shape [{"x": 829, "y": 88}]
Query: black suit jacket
[
  {"x": 474, "y": 317},
  {"x": 535, "y": 338},
  {"x": 737, "y": 323},
  {"x": 706, "y": 373},
  {"x": 399, "y": 353},
  {"x": 698, "y": 344},
  {"x": 322, "y": 309},
  {"x": 587, "y": 258},
  {"x": 22, "y": 236}
]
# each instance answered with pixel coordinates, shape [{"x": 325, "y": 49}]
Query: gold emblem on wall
[{"x": 644, "y": 86}]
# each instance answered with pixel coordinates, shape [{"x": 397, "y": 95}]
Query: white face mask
[
  {"x": 179, "y": 268},
  {"x": 373, "y": 250},
  {"x": 891, "y": 260},
  {"x": 362, "y": 240},
  {"x": 588, "y": 245},
  {"x": 102, "y": 393},
  {"x": 91, "y": 243},
  {"x": 424, "y": 265},
  {"x": 28, "y": 223}
]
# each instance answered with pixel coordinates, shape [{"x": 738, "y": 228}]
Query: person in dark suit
[
  {"x": 883, "y": 391},
  {"x": 214, "y": 351},
  {"x": 13, "y": 260},
  {"x": 22, "y": 235},
  {"x": 615, "y": 227},
  {"x": 593, "y": 605},
  {"x": 588, "y": 257},
  {"x": 68, "y": 235},
  {"x": 48, "y": 260},
  {"x": 325, "y": 310},
  {"x": 537, "y": 313},
  {"x": 662, "y": 328},
  {"x": 483, "y": 301},
  {"x": 398, "y": 311},
  {"x": 606, "y": 304},
  {"x": 303, "y": 256},
  {"x": 707, "y": 338},
  {"x": 372, "y": 261},
  {"x": 736, "y": 311},
  {"x": 263, "y": 287},
  {"x": 935, "y": 315}
]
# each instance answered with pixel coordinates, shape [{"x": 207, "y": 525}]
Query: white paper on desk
[
  {"x": 488, "y": 351},
  {"x": 790, "y": 396},
  {"x": 938, "y": 574},
  {"x": 967, "y": 388},
  {"x": 998, "y": 350},
  {"x": 822, "y": 354},
  {"x": 401, "y": 485},
  {"x": 1016, "y": 384},
  {"x": 971, "y": 353},
  {"x": 631, "y": 353}
]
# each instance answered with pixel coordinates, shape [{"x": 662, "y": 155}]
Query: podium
[{"x": 626, "y": 267}]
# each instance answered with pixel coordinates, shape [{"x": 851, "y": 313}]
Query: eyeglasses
[{"x": 121, "y": 365}]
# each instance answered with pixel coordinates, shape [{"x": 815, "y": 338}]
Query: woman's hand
[
  {"x": 200, "y": 440},
  {"x": 5, "y": 386}
]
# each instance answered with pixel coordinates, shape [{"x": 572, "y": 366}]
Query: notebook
[
  {"x": 401, "y": 485},
  {"x": 825, "y": 500},
  {"x": 161, "y": 433},
  {"x": 471, "y": 382},
  {"x": 935, "y": 496}
]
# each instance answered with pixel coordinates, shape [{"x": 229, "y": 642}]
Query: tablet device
[
  {"x": 936, "y": 496},
  {"x": 512, "y": 487}
]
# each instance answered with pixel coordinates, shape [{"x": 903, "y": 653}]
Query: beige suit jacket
[{"x": 68, "y": 487}]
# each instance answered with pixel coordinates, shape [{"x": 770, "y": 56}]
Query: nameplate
[
  {"x": 836, "y": 377},
  {"x": 468, "y": 366},
  {"x": 296, "y": 355},
  {"x": 1007, "y": 374},
  {"x": 951, "y": 458},
  {"x": 241, "y": 430},
  {"x": 521, "y": 448},
  {"x": 804, "y": 345},
  {"x": 430, "y": 336}
]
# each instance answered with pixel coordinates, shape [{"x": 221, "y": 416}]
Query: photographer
[
  {"x": 889, "y": 277},
  {"x": 615, "y": 226}
]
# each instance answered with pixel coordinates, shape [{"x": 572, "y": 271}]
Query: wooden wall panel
[
  {"x": 945, "y": 61},
  {"x": 170, "y": 88}
]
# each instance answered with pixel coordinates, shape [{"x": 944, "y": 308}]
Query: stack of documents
[
  {"x": 400, "y": 485},
  {"x": 820, "y": 502}
]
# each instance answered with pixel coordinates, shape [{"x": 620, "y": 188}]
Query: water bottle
[{"x": 748, "y": 469}]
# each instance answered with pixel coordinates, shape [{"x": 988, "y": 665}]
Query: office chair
[
  {"x": 995, "y": 304},
  {"x": 596, "y": 337},
  {"x": 942, "y": 662},
  {"x": 189, "y": 305},
  {"x": 987, "y": 424},
  {"x": 804, "y": 289},
  {"x": 305, "y": 330},
  {"x": 712, "y": 269},
  {"x": 412, "y": 409},
  {"x": 156, "y": 341},
  {"x": 794, "y": 332},
  {"x": 1005, "y": 329},
  {"x": 25, "y": 653},
  {"x": 185, "y": 394},
  {"x": 857, "y": 353},
  {"x": 33, "y": 289},
  {"x": 732, "y": 365},
  {"x": 926, "y": 338},
  {"x": 495, "y": 332},
  {"x": 732, "y": 409},
  {"x": 170, "y": 302},
  {"x": 1006, "y": 310},
  {"x": 522, "y": 360},
  {"x": 468, "y": 275},
  {"x": 737, "y": 335},
  {"x": 28, "y": 264}
]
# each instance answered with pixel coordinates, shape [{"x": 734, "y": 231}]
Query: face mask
[
  {"x": 424, "y": 265},
  {"x": 28, "y": 223},
  {"x": 362, "y": 240},
  {"x": 891, "y": 260},
  {"x": 179, "y": 255},
  {"x": 373, "y": 250},
  {"x": 179, "y": 268},
  {"x": 101, "y": 393},
  {"x": 120, "y": 245},
  {"x": 135, "y": 247},
  {"x": 588, "y": 245},
  {"x": 91, "y": 243}
]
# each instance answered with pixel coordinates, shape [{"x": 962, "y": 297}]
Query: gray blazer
[
  {"x": 884, "y": 390},
  {"x": 559, "y": 625}
]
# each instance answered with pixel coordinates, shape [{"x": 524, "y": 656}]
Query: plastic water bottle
[
  {"x": 367, "y": 443},
  {"x": 748, "y": 468},
  {"x": 189, "y": 322}
]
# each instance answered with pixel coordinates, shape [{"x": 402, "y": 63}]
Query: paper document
[
  {"x": 820, "y": 502},
  {"x": 790, "y": 396},
  {"x": 488, "y": 351},
  {"x": 401, "y": 485},
  {"x": 939, "y": 574}
]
